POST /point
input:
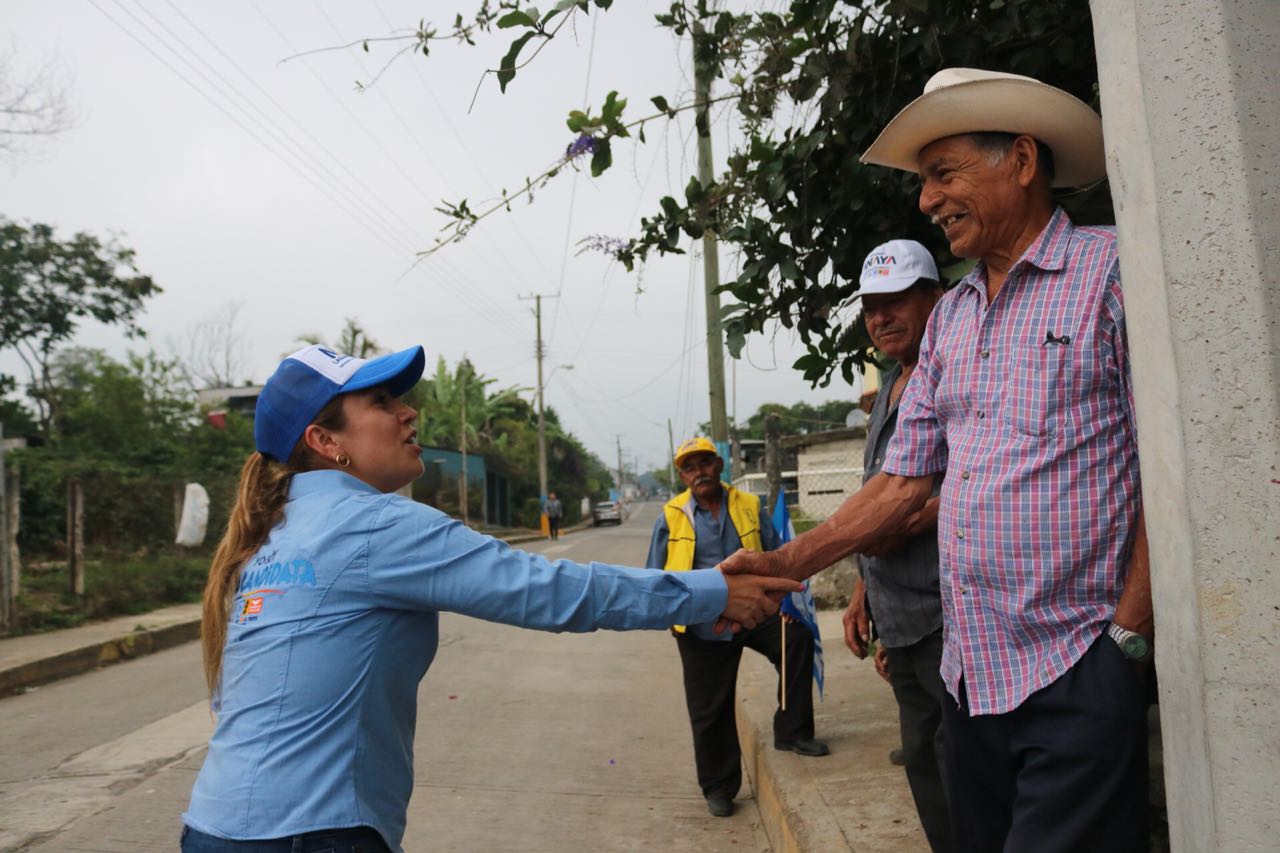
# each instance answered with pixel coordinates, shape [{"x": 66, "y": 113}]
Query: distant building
[
  {"x": 242, "y": 400},
  {"x": 828, "y": 468}
]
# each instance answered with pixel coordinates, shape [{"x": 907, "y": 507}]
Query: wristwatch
[{"x": 1132, "y": 645}]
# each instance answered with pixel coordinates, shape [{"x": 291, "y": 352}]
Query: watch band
[{"x": 1122, "y": 637}]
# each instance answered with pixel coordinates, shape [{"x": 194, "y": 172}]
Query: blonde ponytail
[{"x": 260, "y": 500}]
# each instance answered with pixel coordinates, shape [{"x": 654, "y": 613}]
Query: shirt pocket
[{"x": 1039, "y": 390}]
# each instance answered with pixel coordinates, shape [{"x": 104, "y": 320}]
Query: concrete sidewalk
[
  {"x": 36, "y": 659},
  {"x": 853, "y": 799}
]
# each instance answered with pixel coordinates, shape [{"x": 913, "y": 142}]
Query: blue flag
[{"x": 799, "y": 605}]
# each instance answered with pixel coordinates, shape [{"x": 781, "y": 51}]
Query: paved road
[{"x": 528, "y": 741}]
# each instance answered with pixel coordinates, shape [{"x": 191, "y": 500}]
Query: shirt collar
[
  {"x": 1047, "y": 252},
  {"x": 313, "y": 482}
]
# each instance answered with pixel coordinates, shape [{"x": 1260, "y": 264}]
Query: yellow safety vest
[{"x": 744, "y": 512}]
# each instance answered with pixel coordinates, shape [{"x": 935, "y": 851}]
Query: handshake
[{"x": 754, "y": 592}]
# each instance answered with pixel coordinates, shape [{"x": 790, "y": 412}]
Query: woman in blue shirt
[{"x": 322, "y": 606}]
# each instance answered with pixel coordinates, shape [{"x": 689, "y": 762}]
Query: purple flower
[
  {"x": 584, "y": 144},
  {"x": 603, "y": 243}
]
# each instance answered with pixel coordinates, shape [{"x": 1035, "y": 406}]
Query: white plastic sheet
[{"x": 195, "y": 516}]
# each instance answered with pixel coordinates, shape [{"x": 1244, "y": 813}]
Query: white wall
[{"x": 1191, "y": 115}]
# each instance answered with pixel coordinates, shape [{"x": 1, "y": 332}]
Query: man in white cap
[
  {"x": 1022, "y": 394},
  {"x": 899, "y": 287}
]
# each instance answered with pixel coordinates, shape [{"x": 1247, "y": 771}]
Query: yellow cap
[{"x": 695, "y": 445}]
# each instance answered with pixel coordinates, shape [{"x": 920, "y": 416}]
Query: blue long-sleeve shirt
[
  {"x": 715, "y": 538},
  {"x": 335, "y": 622}
]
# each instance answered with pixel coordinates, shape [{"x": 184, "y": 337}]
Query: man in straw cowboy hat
[
  {"x": 1022, "y": 395},
  {"x": 696, "y": 530}
]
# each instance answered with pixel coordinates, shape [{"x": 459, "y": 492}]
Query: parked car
[{"x": 606, "y": 511}]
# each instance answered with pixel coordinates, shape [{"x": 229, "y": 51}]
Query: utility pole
[
  {"x": 671, "y": 455},
  {"x": 702, "y": 74},
  {"x": 6, "y": 572},
  {"x": 619, "y": 439},
  {"x": 462, "y": 436},
  {"x": 539, "y": 352},
  {"x": 772, "y": 459}
]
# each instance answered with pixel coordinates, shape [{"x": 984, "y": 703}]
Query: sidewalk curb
[
  {"x": 86, "y": 658},
  {"x": 795, "y": 815},
  {"x": 134, "y": 644}
]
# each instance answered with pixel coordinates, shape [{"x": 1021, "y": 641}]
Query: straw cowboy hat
[{"x": 970, "y": 100}]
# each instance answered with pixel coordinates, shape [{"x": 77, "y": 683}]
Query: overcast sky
[{"x": 242, "y": 179}]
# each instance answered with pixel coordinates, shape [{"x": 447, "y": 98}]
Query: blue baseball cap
[{"x": 311, "y": 377}]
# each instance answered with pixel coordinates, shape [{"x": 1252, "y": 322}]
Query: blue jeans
[{"x": 360, "y": 839}]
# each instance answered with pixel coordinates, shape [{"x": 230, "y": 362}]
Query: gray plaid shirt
[{"x": 902, "y": 587}]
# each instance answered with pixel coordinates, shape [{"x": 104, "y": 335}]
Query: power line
[
  {"x": 280, "y": 133},
  {"x": 413, "y": 137},
  {"x": 235, "y": 120},
  {"x": 573, "y": 190},
  {"x": 466, "y": 151},
  {"x": 350, "y": 203},
  {"x": 473, "y": 296}
]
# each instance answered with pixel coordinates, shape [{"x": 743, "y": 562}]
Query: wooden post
[
  {"x": 75, "y": 536},
  {"x": 772, "y": 459},
  {"x": 13, "y": 513},
  {"x": 179, "y": 497},
  {"x": 7, "y": 593}
]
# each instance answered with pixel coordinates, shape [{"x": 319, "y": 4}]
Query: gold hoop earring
[{"x": 343, "y": 459}]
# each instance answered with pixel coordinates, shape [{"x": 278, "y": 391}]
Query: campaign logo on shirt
[
  {"x": 268, "y": 576},
  {"x": 266, "y": 570}
]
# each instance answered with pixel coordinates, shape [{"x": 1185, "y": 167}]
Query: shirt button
[
  {"x": 964, "y": 475},
  {"x": 981, "y": 414},
  {"x": 959, "y": 534},
  {"x": 875, "y": 461},
  {"x": 964, "y": 590},
  {"x": 986, "y": 353}
]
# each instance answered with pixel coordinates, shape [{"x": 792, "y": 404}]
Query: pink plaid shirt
[{"x": 1026, "y": 404}]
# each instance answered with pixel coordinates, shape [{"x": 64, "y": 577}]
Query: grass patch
[{"x": 114, "y": 586}]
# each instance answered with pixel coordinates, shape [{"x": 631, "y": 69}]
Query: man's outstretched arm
[{"x": 876, "y": 510}]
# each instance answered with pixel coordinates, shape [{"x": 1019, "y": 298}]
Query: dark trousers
[
  {"x": 1065, "y": 771},
  {"x": 553, "y": 526},
  {"x": 917, "y": 685},
  {"x": 710, "y": 686}
]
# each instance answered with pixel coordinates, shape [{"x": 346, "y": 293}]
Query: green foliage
[
  {"x": 451, "y": 402},
  {"x": 799, "y": 417},
  {"x": 48, "y": 286},
  {"x": 503, "y": 427},
  {"x": 815, "y": 81},
  {"x": 112, "y": 587},
  {"x": 573, "y": 472},
  {"x": 131, "y": 435},
  {"x": 815, "y": 85}
]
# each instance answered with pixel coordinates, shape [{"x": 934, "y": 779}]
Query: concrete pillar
[{"x": 1191, "y": 115}]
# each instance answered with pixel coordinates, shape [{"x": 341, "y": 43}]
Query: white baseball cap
[{"x": 894, "y": 266}]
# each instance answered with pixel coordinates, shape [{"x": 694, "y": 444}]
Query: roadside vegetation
[{"x": 131, "y": 434}]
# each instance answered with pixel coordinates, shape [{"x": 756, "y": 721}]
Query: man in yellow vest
[{"x": 697, "y": 529}]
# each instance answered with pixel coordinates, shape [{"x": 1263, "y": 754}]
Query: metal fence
[{"x": 811, "y": 494}]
